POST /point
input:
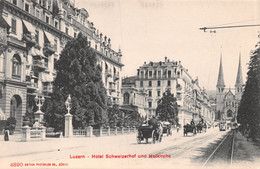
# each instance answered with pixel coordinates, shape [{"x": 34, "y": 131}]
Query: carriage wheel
[{"x": 153, "y": 137}]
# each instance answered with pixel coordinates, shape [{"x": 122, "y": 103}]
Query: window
[
  {"x": 150, "y": 73},
  {"x": 159, "y": 73},
  {"x": 55, "y": 44},
  {"x": 150, "y": 104},
  {"x": 26, "y": 7},
  {"x": 126, "y": 98},
  {"x": 47, "y": 19},
  {"x": 16, "y": 65},
  {"x": 37, "y": 36},
  {"x": 141, "y": 83},
  {"x": 158, "y": 83},
  {"x": 158, "y": 93},
  {"x": 142, "y": 74},
  {"x": 75, "y": 35},
  {"x": 37, "y": 14},
  {"x": 150, "y": 83},
  {"x": 14, "y": 26},
  {"x": 169, "y": 74},
  {"x": 67, "y": 30},
  {"x": 15, "y": 2},
  {"x": 56, "y": 24},
  {"x": 150, "y": 93},
  {"x": 169, "y": 83}
]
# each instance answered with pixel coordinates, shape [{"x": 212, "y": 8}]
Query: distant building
[
  {"x": 155, "y": 78},
  {"x": 32, "y": 36},
  {"x": 133, "y": 99},
  {"x": 228, "y": 99}
]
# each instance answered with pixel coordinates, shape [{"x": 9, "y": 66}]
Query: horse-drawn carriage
[
  {"x": 167, "y": 128},
  {"x": 146, "y": 132},
  {"x": 201, "y": 127},
  {"x": 189, "y": 128}
]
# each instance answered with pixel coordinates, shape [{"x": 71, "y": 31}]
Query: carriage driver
[
  {"x": 153, "y": 122},
  {"x": 192, "y": 122}
]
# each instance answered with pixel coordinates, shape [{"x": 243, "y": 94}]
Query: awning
[
  {"x": 27, "y": 27},
  {"x": 47, "y": 78},
  {"x": 142, "y": 112},
  {"x": 2, "y": 115},
  {"x": 3, "y": 23},
  {"x": 37, "y": 52},
  {"x": 48, "y": 38}
]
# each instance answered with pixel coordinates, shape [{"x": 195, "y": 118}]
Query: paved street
[{"x": 172, "y": 152}]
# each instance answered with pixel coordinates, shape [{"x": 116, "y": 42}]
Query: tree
[
  {"x": 79, "y": 75},
  {"x": 248, "y": 111},
  {"x": 167, "y": 108}
]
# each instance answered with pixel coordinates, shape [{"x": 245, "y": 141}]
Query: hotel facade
[
  {"x": 32, "y": 35},
  {"x": 155, "y": 78}
]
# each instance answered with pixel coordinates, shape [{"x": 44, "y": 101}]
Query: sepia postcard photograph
[{"x": 129, "y": 84}]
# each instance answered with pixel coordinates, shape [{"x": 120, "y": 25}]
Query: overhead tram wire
[{"x": 226, "y": 27}]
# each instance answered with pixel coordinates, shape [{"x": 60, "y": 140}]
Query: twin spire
[{"x": 239, "y": 79}]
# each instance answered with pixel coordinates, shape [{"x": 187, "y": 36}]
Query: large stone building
[
  {"x": 155, "y": 78},
  {"x": 228, "y": 99},
  {"x": 32, "y": 35}
]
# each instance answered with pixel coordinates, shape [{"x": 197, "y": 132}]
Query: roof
[
  {"x": 129, "y": 80},
  {"x": 220, "y": 75},
  {"x": 239, "y": 80}
]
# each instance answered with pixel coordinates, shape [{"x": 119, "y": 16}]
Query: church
[{"x": 228, "y": 99}]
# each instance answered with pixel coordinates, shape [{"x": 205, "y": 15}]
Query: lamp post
[
  {"x": 68, "y": 119},
  {"x": 39, "y": 100}
]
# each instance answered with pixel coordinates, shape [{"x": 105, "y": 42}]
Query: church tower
[
  {"x": 220, "y": 94},
  {"x": 239, "y": 81}
]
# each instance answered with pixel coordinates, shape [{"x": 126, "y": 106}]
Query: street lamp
[
  {"x": 68, "y": 104},
  {"x": 39, "y": 100}
]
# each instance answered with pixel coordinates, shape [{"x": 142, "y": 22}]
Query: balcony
[
  {"x": 47, "y": 89},
  {"x": 29, "y": 39},
  {"x": 108, "y": 73},
  {"x": 32, "y": 85},
  {"x": 3, "y": 39},
  {"x": 116, "y": 76},
  {"x": 49, "y": 49},
  {"x": 40, "y": 65},
  {"x": 112, "y": 87}
]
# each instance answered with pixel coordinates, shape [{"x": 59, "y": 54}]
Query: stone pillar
[
  {"x": 115, "y": 130},
  {"x": 68, "y": 125},
  {"x": 100, "y": 131},
  {"x": 108, "y": 130},
  {"x": 26, "y": 135},
  {"x": 39, "y": 116},
  {"x": 128, "y": 129},
  {"x": 122, "y": 127},
  {"x": 43, "y": 133},
  {"x": 89, "y": 131}
]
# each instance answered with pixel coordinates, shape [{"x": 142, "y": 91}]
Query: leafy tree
[
  {"x": 167, "y": 108},
  {"x": 248, "y": 111},
  {"x": 79, "y": 75}
]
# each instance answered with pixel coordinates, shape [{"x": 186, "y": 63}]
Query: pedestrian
[{"x": 6, "y": 135}]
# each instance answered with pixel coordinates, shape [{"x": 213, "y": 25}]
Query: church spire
[
  {"x": 220, "y": 82},
  {"x": 239, "y": 80}
]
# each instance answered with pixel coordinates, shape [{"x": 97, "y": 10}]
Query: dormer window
[{"x": 15, "y": 2}]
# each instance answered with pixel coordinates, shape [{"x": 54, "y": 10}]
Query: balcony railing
[
  {"x": 108, "y": 73},
  {"x": 116, "y": 76},
  {"x": 47, "y": 88},
  {"x": 30, "y": 39},
  {"x": 49, "y": 49},
  {"x": 38, "y": 64},
  {"x": 32, "y": 85}
]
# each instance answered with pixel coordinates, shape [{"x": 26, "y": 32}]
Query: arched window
[
  {"x": 16, "y": 65},
  {"x": 126, "y": 98},
  {"x": 229, "y": 113}
]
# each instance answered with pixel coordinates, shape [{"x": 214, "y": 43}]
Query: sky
[{"x": 149, "y": 30}]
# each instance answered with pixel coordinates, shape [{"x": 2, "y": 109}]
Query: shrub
[
  {"x": 10, "y": 124},
  {"x": 2, "y": 125}
]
